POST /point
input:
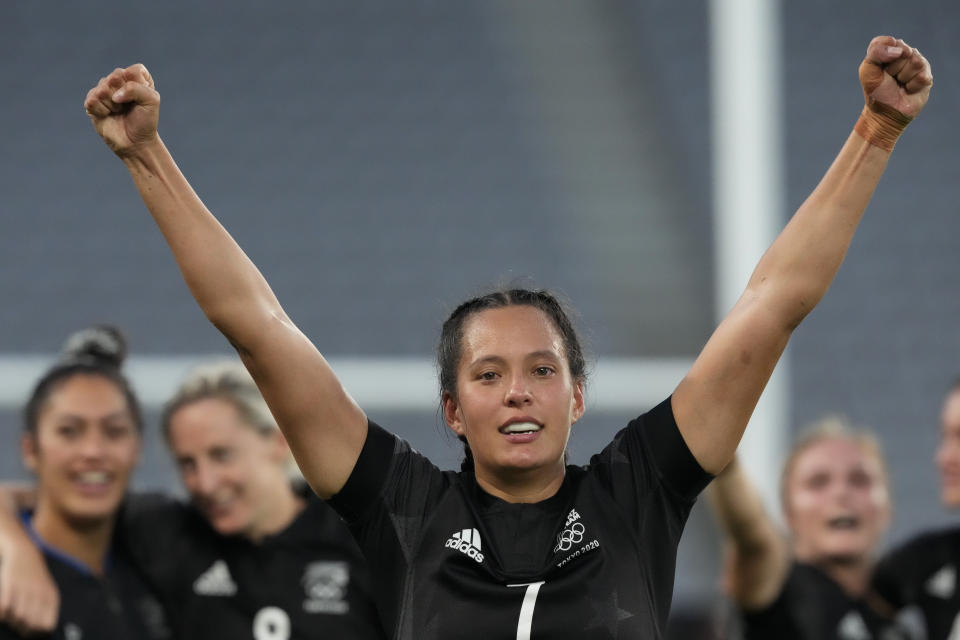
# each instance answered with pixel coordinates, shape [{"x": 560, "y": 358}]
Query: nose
[
  {"x": 518, "y": 392},
  {"x": 93, "y": 445},
  {"x": 205, "y": 479}
]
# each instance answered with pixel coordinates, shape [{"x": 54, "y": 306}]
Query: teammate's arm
[
  {"x": 713, "y": 403},
  {"x": 323, "y": 425},
  {"x": 29, "y": 598},
  {"x": 758, "y": 558}
]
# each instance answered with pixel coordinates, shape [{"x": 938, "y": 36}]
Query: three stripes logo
[{"x": 467, "y": 541}]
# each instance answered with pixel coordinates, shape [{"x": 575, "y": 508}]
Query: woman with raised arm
[
  {"x": 813, "y": 583},
  {"x": 922, "y": 572},
  {"x": 519, "y": 545},
  {"x": 82, "y": 440}
]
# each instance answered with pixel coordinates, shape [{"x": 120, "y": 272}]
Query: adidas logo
[
  {"x": 943, "y": 583},
  {"x": 466, "y": 541},
  {"x": 852, "y": 627},
  {"x": 215, "y": 581}
]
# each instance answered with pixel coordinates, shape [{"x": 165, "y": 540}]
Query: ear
[
  {"x": 578, "y": 405},
  {"x": 29, "y": 451},
  {"x": 451, "y": 413}
]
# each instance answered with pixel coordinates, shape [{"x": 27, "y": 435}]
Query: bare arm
[
  {"x": 713, "y": 403},
  {"x": 759, "y": 558},
  {"x": 323, "y": 425},
  {"x": 29, "y": 599}
]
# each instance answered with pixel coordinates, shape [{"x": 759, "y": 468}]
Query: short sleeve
[
  {"x": 650, "y": 456},
  {"x": 776, "y": 619},
  {"x": 389, "y": 497},
  {"x": 895, "y": 577}
]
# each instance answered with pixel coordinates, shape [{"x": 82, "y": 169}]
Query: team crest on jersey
[
  {"x": 572, "y": 540},
  {"x": 326, "y": 586},
  {"x": 467, "y": 542}
]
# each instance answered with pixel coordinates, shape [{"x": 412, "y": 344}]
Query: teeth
[
  {"x": 93, "y": 477},
  {"x": 844, "y": 523},
  {"x": 521, "y": 427}
]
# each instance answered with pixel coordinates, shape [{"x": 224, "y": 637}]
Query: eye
[
  {"x": 118, "y": 431},
  {"x": 488, "y": 376},
  {"x": 860, "y": 479},
  {"x": 221, "y": 454},
  {"x": 544, "y": 371},
  {"x": 68, "y": 431}
]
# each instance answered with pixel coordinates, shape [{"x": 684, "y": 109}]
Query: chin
[
  {"x": 227, "y": 526},
  {"x": 847, "y": 550}
]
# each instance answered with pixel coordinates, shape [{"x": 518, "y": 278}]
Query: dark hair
[
  {"x": 96, "y": 351},
  {"x": 451, "y": 338}
]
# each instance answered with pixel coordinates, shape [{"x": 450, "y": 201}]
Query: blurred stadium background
[{"x": 381, "y": 161}]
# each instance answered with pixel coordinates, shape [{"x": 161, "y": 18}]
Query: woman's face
[
  {"x": 948, "y": 453},
  {"x": 516, "y": 399},
  {"x": 838, "y": 505},
  {"x": 231, "y": 471},
  {"x": 84, "y": 449}
]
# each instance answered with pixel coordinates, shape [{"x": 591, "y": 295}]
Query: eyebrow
[
  {"x": 110, "y": 416},
  {"x": 547, "y": 354}
]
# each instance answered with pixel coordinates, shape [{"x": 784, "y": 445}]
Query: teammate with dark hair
[
  {"x": 811, "y": 585},
  {"x": 251, "y": 556},
  {"x": 82, "y": 441},
  {"x": 521, "y": 546},
  {"x": 922, "y": 572}
]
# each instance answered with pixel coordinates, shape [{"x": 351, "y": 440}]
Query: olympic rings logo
[{"x": 569, "y": 537}]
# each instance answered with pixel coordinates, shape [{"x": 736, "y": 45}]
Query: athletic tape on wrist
[{"x": 881, "y": 125}]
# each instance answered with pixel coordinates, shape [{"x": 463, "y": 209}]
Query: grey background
[{"x": 382, "y": 161}]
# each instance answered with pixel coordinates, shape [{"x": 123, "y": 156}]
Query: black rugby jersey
[
  {"x": 811, "y": 606},
  {"x": 923, "y": 574},
  {"x": 308, "y": 581},
  {"x": 595, "y": 561},
  {"x": 114, "y": 606}
]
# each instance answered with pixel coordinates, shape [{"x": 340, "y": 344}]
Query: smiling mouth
[
  {"x": 844, "y": 523},
  {"x": 521, "y": 427}
]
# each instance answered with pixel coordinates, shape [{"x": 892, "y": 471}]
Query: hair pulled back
[
  {"x": 224, "y": 380},
  {"x": 450, "y": 345},
  {"x": 229, "y": 381},
  {"x": 96, "y": 351}
]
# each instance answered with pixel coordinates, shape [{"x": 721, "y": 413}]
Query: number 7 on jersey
[{"x": 525, "y": 625}]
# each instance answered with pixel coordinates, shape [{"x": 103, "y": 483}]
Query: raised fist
[{"x": 124, "y": 108}]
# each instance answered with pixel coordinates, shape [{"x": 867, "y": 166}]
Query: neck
[
  {"x": 852, "y": 574},
  {"x": 527, "y": 486},
  {"x": 86, "y": 541},
  {"x": 284, "y": 507}
]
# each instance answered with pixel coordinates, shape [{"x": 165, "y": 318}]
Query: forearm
[
  {"x": 740, "y": 511},
  {"x": 757, "y": 555},
  {"x": 13, "y": 499},
  {"x": 799, "y": 266},
  {"x": 225, "y": 283}
]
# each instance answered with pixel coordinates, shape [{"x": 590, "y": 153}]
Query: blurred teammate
[
  {"x": 250, "y": 556},
  {"x": 923, "y": 572},
  {"x": 811, "y": 586},
  {"x": 81, "y": 441},
  {"x": 518, "y": 545}
]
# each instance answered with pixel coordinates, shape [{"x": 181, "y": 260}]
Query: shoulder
[{"x": 940, "y": 543}]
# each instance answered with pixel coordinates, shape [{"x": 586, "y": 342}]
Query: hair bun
[{"x": 103, "y": 344}]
